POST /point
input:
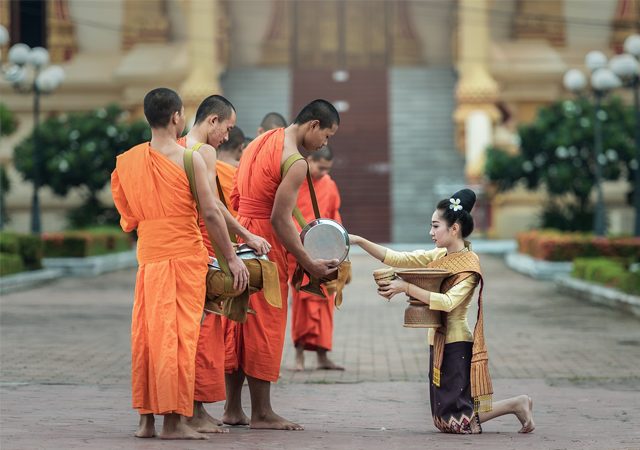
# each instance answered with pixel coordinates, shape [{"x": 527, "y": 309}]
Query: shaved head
[
  {"x": 159, "y": 106},
  {"x": 235, "y": 141},
  {"x": 324, "y": 153},
  {"x": 271, "y": 121},
  {"x": 214, "y": 105},
  {"x": 322, "y": 111}
]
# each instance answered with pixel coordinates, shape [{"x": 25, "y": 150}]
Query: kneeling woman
[{"x": 460, "y": 385}]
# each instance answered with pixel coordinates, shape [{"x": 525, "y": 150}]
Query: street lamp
[
  {"x": 627, "y": 67},
  {"x": 44, "y": 81},
  {"x": 602, "y": 81}
]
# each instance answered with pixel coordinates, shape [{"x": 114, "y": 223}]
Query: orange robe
[
  {"x": 152, "y": 195},
  {"x": 256, "y": 346},
  {"x": 210, "y": 385},
  {"x": 225, "y": 173},
  {"x": 312, "y": 316}
]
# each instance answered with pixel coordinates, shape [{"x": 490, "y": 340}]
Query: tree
[
  {"x": 557, "y": 152},
  {"x": 8, "y": 125},
  {"x": 79, "y": 151}
]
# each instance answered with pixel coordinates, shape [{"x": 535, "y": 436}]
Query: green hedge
[
  {"x": 27, "y": 248},
  {"x": 10, "y": 263},
  {"x": 82, "y": 243},
  {"x": 614, "y": 273}
]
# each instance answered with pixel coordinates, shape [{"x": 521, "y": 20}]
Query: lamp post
[
  {"x": 627, "y": 67},
  {"x": 602, "y": 81},
  {"x": 44, "y": 80}
]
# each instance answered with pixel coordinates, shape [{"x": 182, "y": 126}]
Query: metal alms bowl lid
[{"x": 325, "y": 239}]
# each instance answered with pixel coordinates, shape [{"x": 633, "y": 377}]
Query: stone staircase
[{"x": 425, "y": 165}]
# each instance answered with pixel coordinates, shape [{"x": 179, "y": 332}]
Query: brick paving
[{"x": 64, "y": 355}]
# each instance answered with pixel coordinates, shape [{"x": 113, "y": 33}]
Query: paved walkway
[{"x": 64, "y": 381}]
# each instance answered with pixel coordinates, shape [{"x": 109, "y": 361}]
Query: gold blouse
[{"x": 455, "y": 301}]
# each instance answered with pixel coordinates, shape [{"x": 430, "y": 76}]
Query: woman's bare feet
[
  {"x": 324, "y": 363},
  {"x": 146, "y": 427},
  {"x": 175, "y": 428},
  {"x": 272, "y": 421},
  {"x": 524, "y": 413},
  {"x": 235, "y": 418}
]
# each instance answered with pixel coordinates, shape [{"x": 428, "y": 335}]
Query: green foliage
[
  {"x": 10, "y": 264},
  {"x": 82, "y": 243},
  {"x": 8, "y": 122},
  {"x": 79, "y": 150},
  {"x": 557, "y": 153},
  {"x": 610, "y": 272},
  {"x": 5, "y": 187},
  {"x": 27, "y": 247},
  {"x": 567, "y": 217}
]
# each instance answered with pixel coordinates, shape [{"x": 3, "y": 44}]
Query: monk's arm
[
  {"x": 285, "y": 201},
  {"x": 214, "y": 221},
  {"x": 128, "y": 222},
  {"x": 256, "y": 242}
]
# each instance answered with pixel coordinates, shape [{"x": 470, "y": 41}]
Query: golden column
[
  {"x": 477, "y": 91},
  {"x": 204, "y": 18}
]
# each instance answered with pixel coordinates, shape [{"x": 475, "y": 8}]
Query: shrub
[
  {"x": 10, "y": 264},
  {"x": 83, "y": 243},
  {"x": 26, "y": 246},
  {"x": 614, "y": 273},
  {"x": 552, "y": 245}
]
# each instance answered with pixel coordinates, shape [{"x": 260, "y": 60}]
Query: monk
[
  {"x": 215, "y": 118},
  {"x": 229, "y": 154},
  {"x": 265, "y": 200},
  {"x": 271, "y": 121},
  {"x": 312, "y": 316},
  {"x": 151, "y": 192}
]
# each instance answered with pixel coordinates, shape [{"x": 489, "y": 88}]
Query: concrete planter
[
  {"x": 92, "y": 265},
  {"x": 537, "y": 268},
  {"x": 28, "y": 280},
  {"x": 597, "y": 293}
]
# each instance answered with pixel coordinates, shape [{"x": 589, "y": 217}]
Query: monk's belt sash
[
  {"x": 254, "y": 209},
  {"x": 168, "y": 238}
]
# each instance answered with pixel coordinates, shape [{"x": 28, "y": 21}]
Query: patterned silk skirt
[{"x": 451, "y": 403}]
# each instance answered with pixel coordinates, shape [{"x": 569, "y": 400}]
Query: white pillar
[{"x": 478, "y": 136}]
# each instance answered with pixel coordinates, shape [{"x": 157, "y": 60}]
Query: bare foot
[
  {"x": 204, "y": 425},
  {"x": 146, "y": 427},
  {"x": 299, "y": 367},
  {"x": 272, "y": 421},
  {"x": 235, "y": 419},
  {"x": 324, "y": 363},
  {"x": 525, "y": 414},
  {"x": 174, "y": 428}
]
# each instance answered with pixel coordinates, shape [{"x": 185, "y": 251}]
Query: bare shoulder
[
  {"x": 208, "y": 154},
  {"x": 290, "y": 147}
]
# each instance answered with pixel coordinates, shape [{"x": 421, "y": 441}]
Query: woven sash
[{"x": 463, "y": 265}]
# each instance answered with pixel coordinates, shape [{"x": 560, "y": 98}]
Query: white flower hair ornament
[{"x": 455, "y": 204}]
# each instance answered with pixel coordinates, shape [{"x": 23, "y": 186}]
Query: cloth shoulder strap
[
  {"x": 191, "y": 176},
  {"x": 314, "y": 201}
]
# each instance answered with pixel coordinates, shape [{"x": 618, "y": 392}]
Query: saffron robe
[
  {"x": 312, "y": 316},
  {"x": 256, "y": 346},
  {"x": 210, "y": 384},
  {"x": 153, "y": 197},
  {"x": 225, "y": 173}
]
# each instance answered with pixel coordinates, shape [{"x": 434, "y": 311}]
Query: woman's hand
[
  {"x": 354, "y": 239},
  {"x": 388, "y": 289}
]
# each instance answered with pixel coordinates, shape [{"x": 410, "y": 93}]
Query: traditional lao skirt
[{"x": 451, "y": 403}]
